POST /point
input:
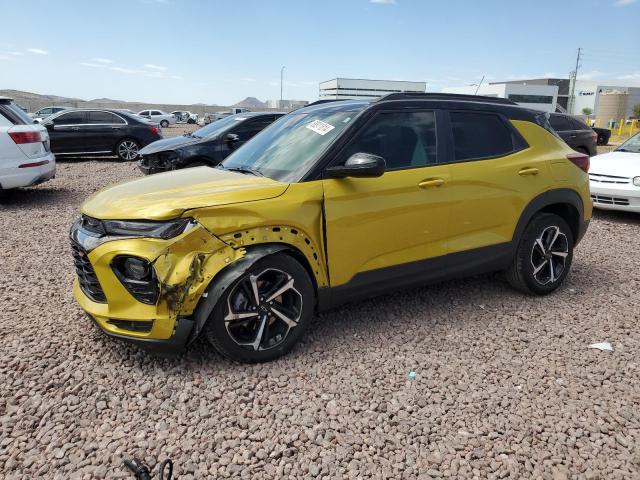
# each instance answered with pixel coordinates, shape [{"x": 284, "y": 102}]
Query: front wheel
[
  {"x": 164, "y": 123},
  {"x": 127, "y": 149},
  {"x": 544, "y": 255},
  {"x": 264, "y": 313}
]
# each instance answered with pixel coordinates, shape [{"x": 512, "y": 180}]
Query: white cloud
[
  {"x": 383, "y": 2},
  {"x": 92, "y": 65},
  {"x": 624, "y": 3},
  {"x": 151, "y": 66},
  {"x": 6, "y": 58},
  {"x": 17, "y": 54},
  {"x": 37, "y": 51},
  {"x": 124, "y": 70},
  {"x": 106, "y": 61},
  {"x": 630, "y": 76}
]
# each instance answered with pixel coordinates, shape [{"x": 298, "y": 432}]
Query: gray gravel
[{"x": 505, "y": 385}]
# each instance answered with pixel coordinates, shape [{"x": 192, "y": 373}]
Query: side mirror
[
  {"x": 231, "y": 138},
  {"x": 361, "y": 165}
]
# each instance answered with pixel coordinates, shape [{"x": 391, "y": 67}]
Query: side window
[
  {"x": 103, "y": 118},
  {"x": 403, "y": 139},
  {"x": 560, "y": 123},
  {"x": 578, "y": 125},
  {"x": 45, "y": 111},
  {"x": 251, "y": 127},
  {"x": 145, "y": 112},
  {"x": 156, "y": 112},
  {"x": 480, "y": 135},
  {"x": 71, "y": 118}
]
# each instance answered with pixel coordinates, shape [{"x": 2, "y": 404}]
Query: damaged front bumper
[{"x": 183, "y": 268}]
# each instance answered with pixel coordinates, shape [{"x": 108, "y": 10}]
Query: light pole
[{"x": 281, "y": 76}]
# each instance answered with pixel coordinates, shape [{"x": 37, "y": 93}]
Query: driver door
[{"x": 380, "y": 231}]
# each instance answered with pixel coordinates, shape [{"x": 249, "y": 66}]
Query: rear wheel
[
  {"x": 544, "y": 255},
  {"x": 264, "y": 313},
  {"x": 127, "y": 149}
]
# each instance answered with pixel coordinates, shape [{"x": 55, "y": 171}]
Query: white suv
[
  {"x": 25, "y": 156},
  {"x": 158, "y": 116}
]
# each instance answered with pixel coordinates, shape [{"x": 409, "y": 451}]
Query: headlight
[
  {"x": 636, "y": 181},
  {"x": 164, "y": 230}
]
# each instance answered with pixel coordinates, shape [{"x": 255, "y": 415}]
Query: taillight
[
  {"x": 154, "y": 130},
  {"x": 25, "y": 137},
  {"x": 33, "y": 164},
  {"x": 580, "y": 160}
]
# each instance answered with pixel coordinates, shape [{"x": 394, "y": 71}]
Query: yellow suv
[{"x": 333, "y": 202}]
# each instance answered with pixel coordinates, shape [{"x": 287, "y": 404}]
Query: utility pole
[
  {"x": 478, "y": 87},
  {"x": 572, "y": 83},
  {"x": 281, "y": 77}
]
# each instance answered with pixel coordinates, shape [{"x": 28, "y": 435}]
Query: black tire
[
  {"x": 127, "y": 149},
  {"x": 275, "y": 337},
  {"x": 522, "y": 274},
  {"x": 602, "y": 139},
  {"x": 164, "y": 123},
  {"x": 191, "y": 121}
]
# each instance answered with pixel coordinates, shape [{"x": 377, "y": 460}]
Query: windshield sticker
[{"x": 320, "y": 127}]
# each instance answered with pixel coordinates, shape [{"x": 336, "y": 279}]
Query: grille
[
  {"x": 594, "y": 177},
  {"x": 604, "y": 200},
  {"x": 87, "y": 278},
  {"x": 137, "y": 326}
]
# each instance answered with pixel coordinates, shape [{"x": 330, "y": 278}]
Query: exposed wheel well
[{"x": 568, "y": 213}]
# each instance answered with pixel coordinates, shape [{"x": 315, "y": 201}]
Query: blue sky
[{"x": 220, "y": 51}]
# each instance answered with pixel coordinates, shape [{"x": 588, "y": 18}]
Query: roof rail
[
  {"x": 445, "y": 96},
  {"x": 320, "y": 102}
]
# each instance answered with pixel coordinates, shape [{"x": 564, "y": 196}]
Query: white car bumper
[
  {"x": 28, "y": 172},
  {"x": 625, "y": 197}
]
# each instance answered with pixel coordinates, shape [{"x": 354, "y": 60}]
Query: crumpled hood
[
  {"x": 168, "y": 195},
  {"x": 168, "y": 144},
  {"x": 618, "y": 164}
]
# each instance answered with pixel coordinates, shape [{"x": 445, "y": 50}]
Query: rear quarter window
[{"x": 482, "y": 135}]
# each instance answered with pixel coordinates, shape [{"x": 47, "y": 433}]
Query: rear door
[
  {"x": 67, "y": 132},
  {"x": 494, "y": 175},
  {"x": 103, "y": 130}
]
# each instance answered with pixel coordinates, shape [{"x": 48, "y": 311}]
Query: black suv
[
  {"x": 206, "y": 146},
  {"x": 576, "y": 134},
  {"x": 100, "y": 132}
]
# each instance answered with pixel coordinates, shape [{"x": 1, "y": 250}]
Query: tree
[
  {"x": 636, "y": 110},
  {"x": 587, "y": 111}
]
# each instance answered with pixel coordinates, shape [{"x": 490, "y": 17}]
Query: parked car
[
  {"x": 604, "y": 134},
  {"x": 331, "y": 203},
  {"x": 212, "y": 117},
  {"x": 45, "y": 112},
  {"x": 615, "y": 178},
  {"x": 577, "y": 134},
  {"x": 100, "y": 132},
  {"x": 208, "y": 145},
  {"x": 126, "y": 110},
  {"x": 185, "y": 117},
  {"x": 158, "y": 116},
  {"x": 25, "y": 156}
]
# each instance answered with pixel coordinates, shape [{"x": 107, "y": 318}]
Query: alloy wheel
[
  {"x": 262, "y": 309},
  {"x": 128, "y": 150},
  {"x": 549, "y": 255}
]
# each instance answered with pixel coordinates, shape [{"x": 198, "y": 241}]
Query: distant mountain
[
  {"x": 250, "y": 102},
  {"x": 19, "y": 95}
]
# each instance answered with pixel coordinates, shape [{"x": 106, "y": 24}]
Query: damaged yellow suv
[{"x": 334, "y": 202}]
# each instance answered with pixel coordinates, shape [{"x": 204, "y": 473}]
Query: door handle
[
  {"x": 116, "y": 128},
  {"x": 528, "y": 171},
  {"x": 75, "y": 128},
  {"x": 432, "y": 182}
]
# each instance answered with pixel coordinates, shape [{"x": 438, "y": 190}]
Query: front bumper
[
  {"x": 153, "y": 163},
  {"x": 623, "y": 197},
  {"x": 183, "y": 266},
  {"x": 163, "y": 347}
]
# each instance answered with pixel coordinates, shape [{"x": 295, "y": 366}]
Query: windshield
[
  {"x": 288, "y": 148},
  {"x": 18, "y": 112},
  {"x": 631, "y": 145},
  {"x": 216, "y": 128}
]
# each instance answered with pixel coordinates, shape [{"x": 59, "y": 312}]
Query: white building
[
  {"x": 360, "y": 89},
  {"x": 538, "y": 97}
]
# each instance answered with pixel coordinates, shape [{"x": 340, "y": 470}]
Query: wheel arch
[
  {"x": 225, "y": 277},
  {"x": 564, "y": 202},
  {"x": 122, "y": 139}
]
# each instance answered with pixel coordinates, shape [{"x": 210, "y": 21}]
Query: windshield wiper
[
  {"x": 251, "y": 171},
  {"x": 622, "y": 150}
]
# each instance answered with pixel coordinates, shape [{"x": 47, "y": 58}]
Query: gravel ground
[{"x": 505, "y": 384}]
